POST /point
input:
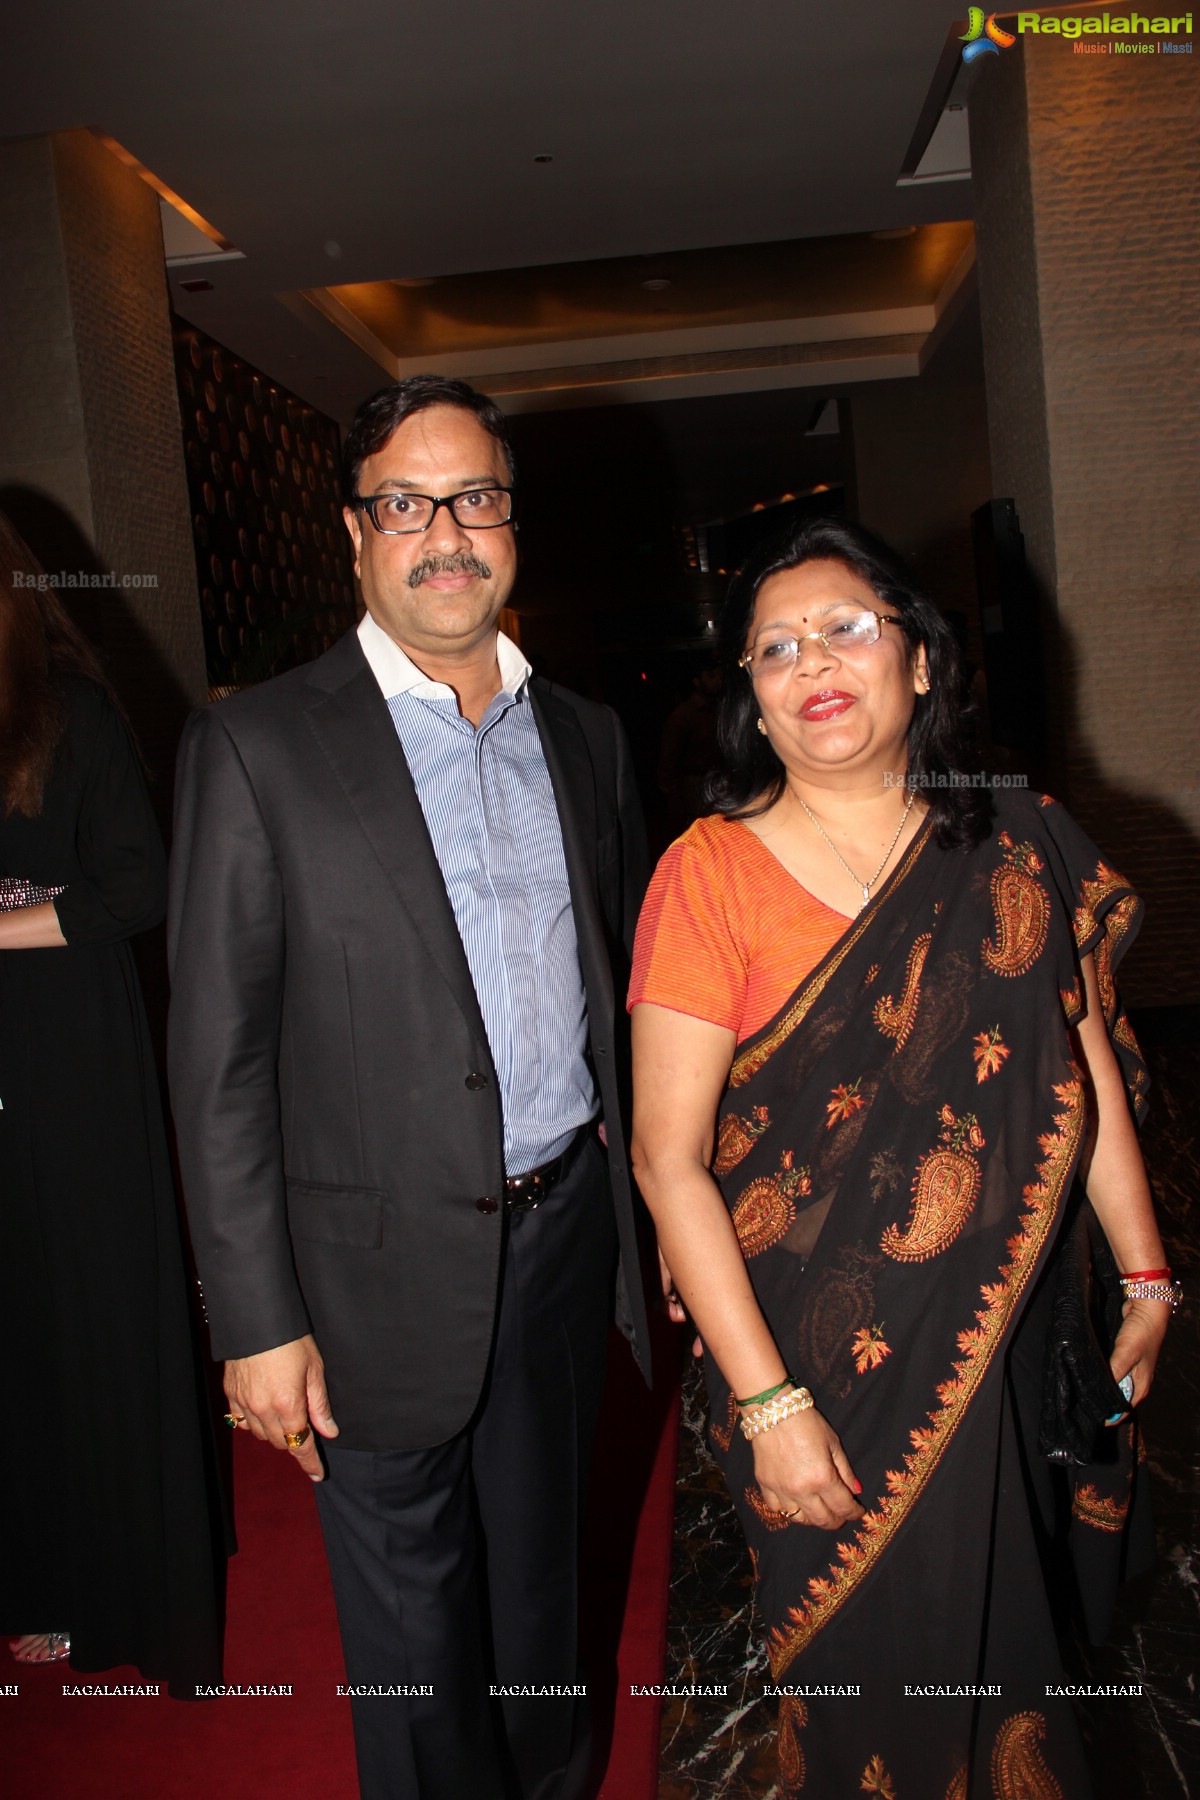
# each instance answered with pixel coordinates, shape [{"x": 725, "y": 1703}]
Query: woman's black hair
[{"x": 939, "y": 741}]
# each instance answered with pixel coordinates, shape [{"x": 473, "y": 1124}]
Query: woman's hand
[
  {"x": 1139, "y": 1341},
  {"x": 800, "y": 1463}
]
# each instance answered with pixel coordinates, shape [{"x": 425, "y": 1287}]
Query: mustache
[{"x": 464, "y": 563}]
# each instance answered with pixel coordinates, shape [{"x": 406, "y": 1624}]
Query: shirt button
[
  {"x": 488, "y": 1204},
  {"x": 475, "y": 1080}
]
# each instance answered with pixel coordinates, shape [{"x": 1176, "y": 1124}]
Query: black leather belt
[{"x": 525, "y": 1193}]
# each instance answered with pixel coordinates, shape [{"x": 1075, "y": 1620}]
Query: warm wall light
[{"x": 221, "y": 245}]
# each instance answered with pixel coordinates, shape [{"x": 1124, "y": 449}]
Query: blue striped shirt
[{"x": 494, "y": 824}]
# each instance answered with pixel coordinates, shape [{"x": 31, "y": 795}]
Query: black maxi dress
[{"x": 110, "y": 1525}]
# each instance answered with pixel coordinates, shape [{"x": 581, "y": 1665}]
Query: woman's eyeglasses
[{"x": 774, "y": 652}]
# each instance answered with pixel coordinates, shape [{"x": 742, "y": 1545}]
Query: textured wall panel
[
  {"x": 273, "y": 558},
  {"x": 116, "y": 281},
  {"x": 1087, "y": 179}
]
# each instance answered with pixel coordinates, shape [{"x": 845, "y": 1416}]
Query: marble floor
[{"x": 722, "y": 1747}]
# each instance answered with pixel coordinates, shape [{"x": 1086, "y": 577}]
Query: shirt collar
[{"x": 397, "y": 673}]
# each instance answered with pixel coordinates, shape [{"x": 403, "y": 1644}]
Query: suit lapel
[{"x": 355, "y": 731}]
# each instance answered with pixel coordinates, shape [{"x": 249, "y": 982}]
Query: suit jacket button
[
  {"x": 475, "y": 1080},
  {"x": 488, "y": 1204}
]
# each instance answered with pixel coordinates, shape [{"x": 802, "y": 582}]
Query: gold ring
[
  {"x": 295, "y": 1439},
  {"x": 233, "y": 1420},
  {"x": 792, "y": 1514}
]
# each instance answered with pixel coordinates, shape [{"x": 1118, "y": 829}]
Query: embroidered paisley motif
[
  {"x": 842, "y": 1304},
  {"x": 767, "y": 1208},
  {"x": 944, "y": 1011},
  {"x": 793, "y": 1716},
  {"x": 895, "y": 1018},
  {"x": 1022, "y": 908},
  {"x": 977, "y": 1346},
  {"x": 945, "y": 1189},
  {"x": 737, "y": 1137},
  {"x": 1019, "y": 1770},
  {"x": 958, "y": 1787}
]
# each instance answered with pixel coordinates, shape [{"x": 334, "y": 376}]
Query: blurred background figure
[
  {"x": 109, "y": 1514},
  {"x": 689, "y": 747}
]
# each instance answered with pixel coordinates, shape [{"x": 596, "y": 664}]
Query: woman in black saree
[{"x": 859, "y": 1169}]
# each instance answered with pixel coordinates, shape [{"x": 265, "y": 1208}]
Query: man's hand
[
  {"x": 676, "y": 1310},
  {"x": 281, "y": 1391}
]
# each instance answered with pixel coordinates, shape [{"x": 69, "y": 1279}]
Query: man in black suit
[{"x": 405, "y": 881}]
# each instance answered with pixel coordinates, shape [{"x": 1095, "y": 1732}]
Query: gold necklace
[{"x": 858, "y": 881}]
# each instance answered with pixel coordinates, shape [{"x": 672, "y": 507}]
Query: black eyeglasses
[{"x": 476, "y": 509}]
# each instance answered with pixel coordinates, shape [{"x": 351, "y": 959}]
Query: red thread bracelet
[{"x": 1147, "y": 1275}]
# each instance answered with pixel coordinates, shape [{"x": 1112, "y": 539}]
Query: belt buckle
[{"x": 516, "y": 1183}]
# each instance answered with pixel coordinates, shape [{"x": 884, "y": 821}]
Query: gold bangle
[{"x": 756, "y": 1419}]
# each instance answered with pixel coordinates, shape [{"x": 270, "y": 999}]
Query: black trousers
[{"x": 456, "y": 1569}]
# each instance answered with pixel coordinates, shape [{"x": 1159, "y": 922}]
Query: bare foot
[{"x": 41, "y": 1647}]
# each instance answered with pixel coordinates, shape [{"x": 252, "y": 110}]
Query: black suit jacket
[{"x": 326, "y": 1044}]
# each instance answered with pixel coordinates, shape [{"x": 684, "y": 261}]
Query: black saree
[{"x": 897, "y": 1148}]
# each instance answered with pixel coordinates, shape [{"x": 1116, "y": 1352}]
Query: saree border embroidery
[
  {"x": 978, "y": 1346},
  {"x": 1091, "y": 1507},
  {"x": 723, "y": 1434},
  {"x": 752, "y": 1058},
  {"x": 793, "y": 1717}
]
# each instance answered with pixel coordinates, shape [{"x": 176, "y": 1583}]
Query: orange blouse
[{"x": 726, "y": 934}]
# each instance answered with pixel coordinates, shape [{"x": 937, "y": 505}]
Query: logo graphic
[{"x": 983, "y": 36}]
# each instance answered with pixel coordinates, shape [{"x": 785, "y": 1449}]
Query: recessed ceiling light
[{"x": 656, "y": 284}]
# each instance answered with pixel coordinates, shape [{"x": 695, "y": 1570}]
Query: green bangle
[{"x": 767, "y": 1394}]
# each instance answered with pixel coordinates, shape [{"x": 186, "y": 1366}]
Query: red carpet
[{"x": 282, "y": 1630}]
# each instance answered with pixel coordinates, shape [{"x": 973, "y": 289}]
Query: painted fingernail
[
  {"x": 1115, "y": 1420},
  {"x": 856, "y": 1484}
]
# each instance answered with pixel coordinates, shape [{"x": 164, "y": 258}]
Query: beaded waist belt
[{"x": 16, "y": 892}]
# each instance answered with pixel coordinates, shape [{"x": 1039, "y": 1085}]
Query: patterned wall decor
[{"x": 272, "y": 556}]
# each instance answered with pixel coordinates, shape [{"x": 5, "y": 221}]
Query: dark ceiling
[{"x": 376, "y": 140}]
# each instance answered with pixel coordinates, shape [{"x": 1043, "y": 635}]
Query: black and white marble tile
[{"x": 722, "y": 1748}]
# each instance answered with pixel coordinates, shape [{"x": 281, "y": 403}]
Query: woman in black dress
[{"x": 112, "y": 1547}]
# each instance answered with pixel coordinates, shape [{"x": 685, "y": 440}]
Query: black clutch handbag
[{"x": 1079, "y": 1394}]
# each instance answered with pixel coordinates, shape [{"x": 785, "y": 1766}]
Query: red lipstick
[{"x": 828, "y": 703}]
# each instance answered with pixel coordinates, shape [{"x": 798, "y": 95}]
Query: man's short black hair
[{"x": 378, "y": 417}]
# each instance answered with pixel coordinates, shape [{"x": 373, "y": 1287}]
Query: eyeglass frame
[
  {"x": 367, "y": 502},
  {"x": 882, "y": 619}
]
